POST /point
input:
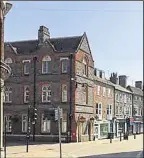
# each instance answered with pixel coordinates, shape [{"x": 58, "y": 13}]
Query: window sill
[
  {"x": 64, "y": 102},
  {"x": 46, "y": 102},
  {"x": 26, "y": 74},
  {"x": 64, "y": 72},
  {"x": 7, "y": 102},
  {"x": 46, "y": 73},
  {"x": 26, "y": 102},
  {"x": 45, "y": 133}
]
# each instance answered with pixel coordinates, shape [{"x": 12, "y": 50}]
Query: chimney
[
  {"x": 97, "y": 72},
  {"x": 138, "y": 84},
  {"x": 114, "y": 78},
  {"x": 102, "y": 74},
  {"x": 123, "y": 81},
  {"x": 43, "y": 34}
]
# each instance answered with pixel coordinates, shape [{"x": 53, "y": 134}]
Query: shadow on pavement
[
  {"x": 22, "y": 143},
  {"x": 133, "y": 154}
]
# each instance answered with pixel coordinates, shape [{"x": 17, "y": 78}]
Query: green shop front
[{"x": 101, "y": 129}]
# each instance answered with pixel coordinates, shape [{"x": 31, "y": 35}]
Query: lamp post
[
  {"x": 70, "y": 99},
  {"x": 4, "y": 69}
]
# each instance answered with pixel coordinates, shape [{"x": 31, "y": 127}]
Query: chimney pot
[
  {"x": 123, "y": 81},
  {"x": 138, "y": 84}
]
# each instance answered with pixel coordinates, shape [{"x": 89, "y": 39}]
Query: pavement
[{"x": 95, "y": 149}]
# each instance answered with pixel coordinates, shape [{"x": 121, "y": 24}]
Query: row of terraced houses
[{"x": 65, "y": 76}]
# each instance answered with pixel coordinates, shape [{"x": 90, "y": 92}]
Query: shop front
[
  {"x": 120, "y": 127},
  {"x": 138, "y": 125},
  {"x": 101, "y": 129}
]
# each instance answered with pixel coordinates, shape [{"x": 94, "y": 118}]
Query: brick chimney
[
  {"x": 123, "y": 81},
  {"x": 138, "y": 84},
  {"x": 114, "y": 78},
  {"x": 43, "y": 34}
]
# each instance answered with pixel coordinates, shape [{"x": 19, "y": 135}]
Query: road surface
[{"x": 133, "y": 154}]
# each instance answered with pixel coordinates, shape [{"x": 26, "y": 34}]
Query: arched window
[
  {"x": 46, "y": 93},
  {"x": 64, "y": 93},
  {"x": 8, "y": 95},
  {"x": 46, "y": 64},
  {"x": 85, "y": 68},
  {"x": 8, "y": 61}
]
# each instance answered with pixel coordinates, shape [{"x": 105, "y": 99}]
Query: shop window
[{"x": 104, "y": 130}]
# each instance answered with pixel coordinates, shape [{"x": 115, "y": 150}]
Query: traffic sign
[{"x": 56, "y": 114}]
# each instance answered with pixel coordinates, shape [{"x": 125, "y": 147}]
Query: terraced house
[
  {"x": 103, "y": 105},
  {"x": 46, "y": 73},
  {"x": 123, "y": 104},
  {"x": 137, "y": 98}
]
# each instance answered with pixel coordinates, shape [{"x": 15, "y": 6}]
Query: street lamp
[{"x": 5, "y": 69}]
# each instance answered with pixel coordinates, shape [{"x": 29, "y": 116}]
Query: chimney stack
[
  {"x": 138, "y": 84},
  {"x": 43, "y": 34},
  {"x": 123, "y": 81},
  {"x": 114, "y": 78}
]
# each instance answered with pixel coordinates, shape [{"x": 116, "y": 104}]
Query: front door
[{"x": 96, "y": 131}]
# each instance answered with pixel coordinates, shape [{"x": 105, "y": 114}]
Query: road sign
[{"x": 57, "y": 113}]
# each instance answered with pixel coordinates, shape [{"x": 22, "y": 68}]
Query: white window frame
[
  {"x": 47, "y": 90},
  {"x": 7, "y": 92},
  {"x": 26, "y": 94},
  {"x": 109, "y": 109},
  {"x": 125, "y": 98},
  {"x": 64, "y": 93},
  {"x": 98, "y": 90},
  {"x": 46, "y": 60},
  {"x": 64, "y": 65},
  {"x": 64, "y": 126},
  {"x": 26, "y": 69},
  {"x": 45, "y": 125},
  {"x": 99, "y": 109},
  {"x": 26, "y": 123},
  {"x": 8, "y": 123},
  {"x": 109, "y": 92},
  {"x": 104, "y": 91}
]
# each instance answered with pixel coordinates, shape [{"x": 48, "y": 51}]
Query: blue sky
[{"x": 114, "y": 30}]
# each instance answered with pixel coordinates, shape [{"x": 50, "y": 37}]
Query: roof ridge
[
  {"x": 20, "y": 41},
  {"x": 136, "y": 88},
  {"x": 65, "y": 37}
]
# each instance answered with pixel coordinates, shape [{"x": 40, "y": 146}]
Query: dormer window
[{"x": 8, "y": 61}]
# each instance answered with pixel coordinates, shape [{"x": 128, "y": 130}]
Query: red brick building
[
  {"x": 56, "y": 84},
  {"x": 103, "y": 105}
]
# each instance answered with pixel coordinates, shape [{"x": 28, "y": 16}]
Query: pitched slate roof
[
  {"x": 61, "y": 44},
  {"x": 136, "y": 90},
  {"x": 103, "y": 80},
  {"x": 120, "y": 88},
  {"x": 117, "y": 87}
]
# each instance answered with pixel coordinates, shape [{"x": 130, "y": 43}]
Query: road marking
[{"x": 139, "y": 154}]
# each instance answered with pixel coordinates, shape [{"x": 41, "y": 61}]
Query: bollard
[
  {"x": 134, "y": 136},
  {"x": 110, "y": 139}
]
